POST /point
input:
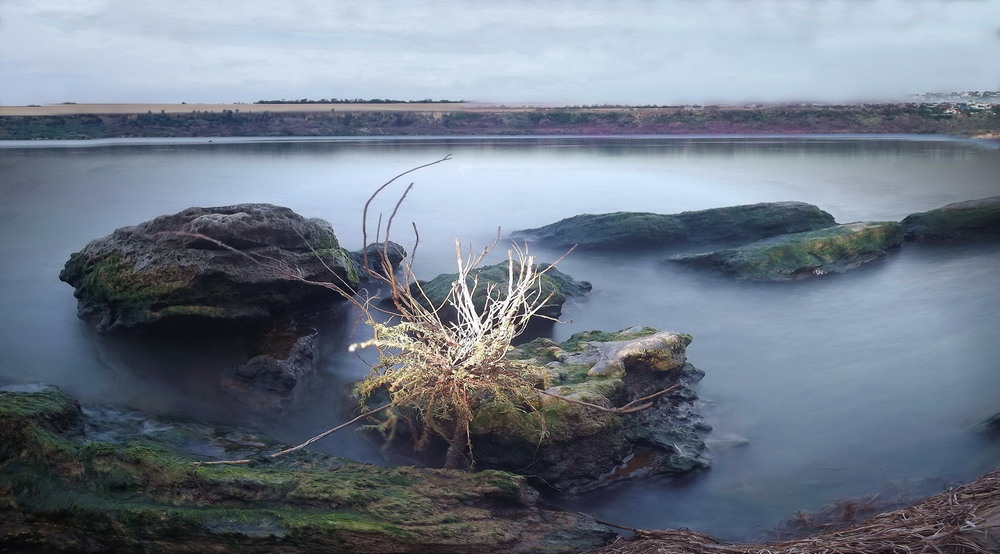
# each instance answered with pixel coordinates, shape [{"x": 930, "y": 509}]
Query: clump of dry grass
[{"x": 443, "y": 369}]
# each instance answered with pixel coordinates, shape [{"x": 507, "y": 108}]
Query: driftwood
[{"x": 963, "y": 520}]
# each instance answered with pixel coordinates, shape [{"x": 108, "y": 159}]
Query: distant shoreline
[
  {"x": 124, "y": 109},
  {"x": 94, "y": 121}
]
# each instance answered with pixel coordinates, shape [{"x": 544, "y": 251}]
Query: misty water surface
[{"x": 846, "y": 386}]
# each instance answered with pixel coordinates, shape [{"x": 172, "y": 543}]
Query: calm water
[{"x": 847, "y": 386}]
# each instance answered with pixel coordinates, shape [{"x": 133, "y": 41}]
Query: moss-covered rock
[
  {"x": 569, "y": 446},
  {"x": 74, "y": 482},
  {"x": 972, "y": 219},
  {"x": 640, "y": 230},
  {"x": 799, "y": 255},
  {"x": 162, "y": 270},
  {"x": 239, "y": 270}
]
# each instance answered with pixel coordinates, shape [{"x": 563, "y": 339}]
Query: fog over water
[{"x": 844, "y": 386}]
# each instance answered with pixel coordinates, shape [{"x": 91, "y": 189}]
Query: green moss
[
  {"x": 789, "y": 256},
  {"x": 113, "y": 279},
  {"x": 576, "y": 342},
  {"x": 542, "y": 350},
  {"x": 971, "y": 219},
  {"x": 50, "y": 407},
  {"x": 307, "y": 523},
  {"x": 594, "y": 390},
  {"x": 568, "y": 374},
  {"x": 612, "y": 230},
  {"x": 140, "y": 495},
  {"x": 554, "y": 421}
]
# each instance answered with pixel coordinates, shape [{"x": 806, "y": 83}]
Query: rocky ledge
[
  {"x": 798, "y": 255},
  {"x": 778, "y": 241},
  {"x": 644, "y": 231},
  {"x": 94, "y": 480},
  {"x": 972, "y": 219}
]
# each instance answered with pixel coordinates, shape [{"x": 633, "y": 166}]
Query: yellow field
[{"x": 69, "y": 109}]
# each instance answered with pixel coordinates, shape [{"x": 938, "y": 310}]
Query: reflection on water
[{"x": 838, "y": 387}]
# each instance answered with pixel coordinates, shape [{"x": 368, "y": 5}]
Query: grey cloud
[{"x": 516, "y": 50}]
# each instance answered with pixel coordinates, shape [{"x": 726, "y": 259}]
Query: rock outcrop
[
  {"x": 644, "y": 231},
  {"x": 972, "y": 219},
  {"x": 236, "y": 269},
  {"x": 250, "y": 267},
  {"x": 799, "y": 255},
  {"x": 74, "y": 481},
  {"x": 569, "y": 446}
]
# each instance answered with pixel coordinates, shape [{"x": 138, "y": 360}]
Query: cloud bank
[{"x": 513, "y": 51}]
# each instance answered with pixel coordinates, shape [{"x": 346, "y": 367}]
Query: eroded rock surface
[
  {"x": 643, "y": 231},
  {"x": 972, "y": 219},
  {"x": 799, "y": 255},
  {"x": 101, "y": 481},
  {"x": 569, "y": 446},
  {"x": 163, "y": 270}
]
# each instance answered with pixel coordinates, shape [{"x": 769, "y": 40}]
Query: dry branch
[{"x": 636, "y": 405}]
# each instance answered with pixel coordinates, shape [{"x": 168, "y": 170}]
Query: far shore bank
[
  {"x": 93, "y": 121},
  {"x": 123, "y": 109}
]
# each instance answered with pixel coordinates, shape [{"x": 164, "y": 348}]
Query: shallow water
[{"x": 844, "y": 386}]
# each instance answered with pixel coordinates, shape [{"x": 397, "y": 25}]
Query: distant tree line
[
  {"x": 868, "y": 118},
  {"x": 358, "y": 101}
]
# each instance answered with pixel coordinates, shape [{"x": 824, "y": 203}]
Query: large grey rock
[
  {"x": 163, "y": 270},
  {"x": 638, "y": 230},
  {"x": 242, "y": 269},
  {"x": 800, "y": 255},
  {"x": 972, "y": 219}
]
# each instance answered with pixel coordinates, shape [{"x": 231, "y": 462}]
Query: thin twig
[
  {"x": 329, "y": 432},
  {"x": 364, "y": 213},
  {"x": 633, "y": 406},
  {"x": 320, "y": 436}
]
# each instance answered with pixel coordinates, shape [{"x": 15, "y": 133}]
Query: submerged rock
[
  {"x": 637, "y": 230},
  {"x": 274, "y": 378},
  {"x": 972, "y": 219},
  {"x": 568, "y": 446},
  {"x": 372, "y": 255},
  {"x": 799, "y": 255},
  {"x": 75, "y": 481}
]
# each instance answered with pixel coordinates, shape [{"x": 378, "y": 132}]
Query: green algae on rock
[
  {"x": 253, "y": 270},
  {"x": 640, "y": 230},
  {"x": 972, "y": 219},
  {"x": 64, "y": 486},
  {"x": 799, "y": 255},
  {"x": 161, "y": 270},
  {"x": 568, "y": 446}
]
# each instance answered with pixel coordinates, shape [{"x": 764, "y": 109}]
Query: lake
[{"x": 842, "y": 387}]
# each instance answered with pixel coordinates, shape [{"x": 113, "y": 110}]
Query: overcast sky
[{"x": 500, "y": 51}]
